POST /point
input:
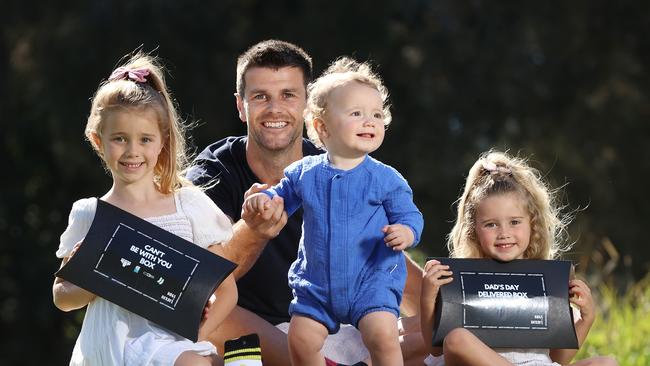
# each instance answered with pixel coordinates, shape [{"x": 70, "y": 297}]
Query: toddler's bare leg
[
  {"x": 381, "y": 337},
  {"x": 306, "y": 339}
]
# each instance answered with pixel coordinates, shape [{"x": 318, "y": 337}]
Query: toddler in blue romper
[
  {"x": 344, "y": 270},
  {"x": 358, "y": 212}
]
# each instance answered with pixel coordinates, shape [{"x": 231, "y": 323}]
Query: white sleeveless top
[{"x": 111, "y": 335}]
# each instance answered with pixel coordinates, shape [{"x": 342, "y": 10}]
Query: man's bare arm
[{"x": 252, "y": 232}]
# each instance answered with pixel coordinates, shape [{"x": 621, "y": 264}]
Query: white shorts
[{"x": 344, "y": 347}]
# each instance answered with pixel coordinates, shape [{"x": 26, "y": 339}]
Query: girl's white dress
[{"x": 111, "y": 335}]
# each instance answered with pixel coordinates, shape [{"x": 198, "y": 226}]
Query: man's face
[{"x": 272, "y": 106}]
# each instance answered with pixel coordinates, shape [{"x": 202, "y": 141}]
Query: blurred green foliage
[
  {"x": 565, "y": 83},
  {"x": 622, "y": 328}
]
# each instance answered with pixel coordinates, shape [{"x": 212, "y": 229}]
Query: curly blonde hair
[
  {"x": 125, "y": 94},
  {"x": 496, "y": 173},
  {"x": 342, "y": 71}
]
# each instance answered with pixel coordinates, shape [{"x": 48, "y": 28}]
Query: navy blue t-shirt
[{"x": 264, "y": 290}]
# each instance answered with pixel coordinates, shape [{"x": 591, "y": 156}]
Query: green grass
[{"x": 622, "y": 326}]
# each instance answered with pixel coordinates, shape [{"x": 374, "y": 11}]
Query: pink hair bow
[
  {"x": 123, "y": 73},
  {"x": 494, "y": 169}
]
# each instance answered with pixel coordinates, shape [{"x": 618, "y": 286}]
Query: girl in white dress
[
  {"x": 134, "y": 128},
  {"x": 506, "y": 212}
]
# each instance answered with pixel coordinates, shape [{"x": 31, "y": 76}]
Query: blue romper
[{"x": 344, "y": 270}]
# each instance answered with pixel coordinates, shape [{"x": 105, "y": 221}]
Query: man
[{"x": 272, "y": 77}]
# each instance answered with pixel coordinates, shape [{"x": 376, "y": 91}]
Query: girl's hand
[
  {"x": 66, "y": 295},
  {"x": 398, "y": 236},
  {"x": 207, "y": 307},
  {"x": 580, "y": 295},
  {"x": 435, "y": 275},
  {"x": 72, "y": 252}
]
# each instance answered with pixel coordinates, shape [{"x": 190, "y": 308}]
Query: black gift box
[
  {"x": 147, "y": 270},
  {"x": 517, "y": 304}
]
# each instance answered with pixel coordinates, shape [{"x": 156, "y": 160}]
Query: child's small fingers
[
  {"x": 396, "y": 240},
  {"x": 580, "y": 284},
  {"x": 267, "y": 204},
  {"x": 389, "y": 237},
  {"x": 430, "y": 263},
  {"x": 75, "y": 248},
  {"x": 578, "y": 291},
  {"x": 440, "y": 278},
  {"x": 439, "y": 271},
  {"x": 263, "y": 204},
  {"x": 578, "y": 301},
  {"x": 445, "y": 280},
  {"x": 251, "y": 207},
  {"x": 443, "y": 274},
  {"x": 435, "y": 266}
]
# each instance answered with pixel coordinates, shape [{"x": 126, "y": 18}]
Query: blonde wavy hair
[
  {"x": 128, "y": 95},
  {"x": 342, "y": 71},
  {"x": 496, "y": 173}
]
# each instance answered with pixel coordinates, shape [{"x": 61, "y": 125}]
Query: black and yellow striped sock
[{"x": 243, "y": 351}]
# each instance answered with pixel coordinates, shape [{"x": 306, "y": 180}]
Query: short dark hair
[{"x": 274, "y": 54}]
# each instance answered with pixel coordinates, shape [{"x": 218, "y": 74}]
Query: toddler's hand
[
  {"x": 580, "y": 295},
  {"x": 435, "y": 274},
  {"x": 398, "y": 236},
  {"x": 268, "y": 223},
  {"x": 256, "y": 203}
]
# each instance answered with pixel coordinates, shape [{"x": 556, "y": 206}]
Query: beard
[{"x": 278, "y": 140}]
